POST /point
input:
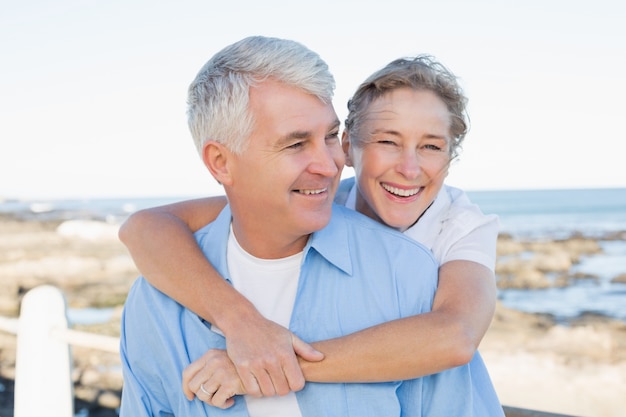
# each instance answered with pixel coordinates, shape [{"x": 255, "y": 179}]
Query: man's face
[{"x": 284, "y": 182}]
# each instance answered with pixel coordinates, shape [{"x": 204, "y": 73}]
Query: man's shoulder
[
  {"x": 360, "y": 223},
  {"x": 217, "y": 230},
  {"x": 144, "y": 299},
  {"x": 387, "y": 260},
  {"x": 371, "y": 234}
]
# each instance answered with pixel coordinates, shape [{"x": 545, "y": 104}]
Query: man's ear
[
  {"x": 216, "y": 158},
  {"x": 346, "y": 146}
]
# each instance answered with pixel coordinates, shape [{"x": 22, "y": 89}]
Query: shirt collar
[{"x": 331, "y": 242}]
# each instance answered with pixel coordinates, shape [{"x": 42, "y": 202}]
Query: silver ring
[{"x": 205, "y": 391}]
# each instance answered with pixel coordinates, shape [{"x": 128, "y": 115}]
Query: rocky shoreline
[{"x": 85, "y": 259}]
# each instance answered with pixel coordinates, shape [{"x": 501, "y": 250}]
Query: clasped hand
[{"x": 260, "y": 360}]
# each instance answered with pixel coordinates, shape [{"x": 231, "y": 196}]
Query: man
[{"x": 260, "y": 113}]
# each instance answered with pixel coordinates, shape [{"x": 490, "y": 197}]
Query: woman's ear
[
  {"x": 347, "y": 148},
  {"x": 216, "y": 158}
]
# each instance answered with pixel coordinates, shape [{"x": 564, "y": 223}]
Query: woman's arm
[
  {"x": 406, "y": 348},
  {"x": 411, "y": 347},
  {"x": 161, "y": 242}
]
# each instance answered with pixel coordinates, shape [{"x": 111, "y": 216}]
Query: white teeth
[
  {"x": 400, "y": 192},
  {"x": 312, "y": 192}
]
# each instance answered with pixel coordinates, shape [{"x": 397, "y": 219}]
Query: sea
[{"x": 529, "y": 214}]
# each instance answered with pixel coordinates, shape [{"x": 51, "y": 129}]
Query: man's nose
[{"x": 327, "y": 160}]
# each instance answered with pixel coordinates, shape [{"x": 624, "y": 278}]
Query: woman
[{"x": 405, "y": 125}]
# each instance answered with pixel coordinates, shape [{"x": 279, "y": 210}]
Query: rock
[
  {"x": 619, "y": 235},
  {"x": 619, "y": 279},
  {"x": 554, "y": 261},
  {"x": 582, "y": 246},
  {"x": 9, "y": 304},
  {"x": 510, "y": 265},
  {"x": 109, "y": 399},
  {"x": 583, "y": 276},
  {"x": 90, "y": 377},
  {"x": 53, "y": 269},
  {"x": 508, "y": 246},
  {"x": 88, "y": 230},
  {"x": 87, "y": 394},
  {"x": 561, "y": 281},
  {"x": 584, "y": 341},
  {"x": 524, "y": 278}
]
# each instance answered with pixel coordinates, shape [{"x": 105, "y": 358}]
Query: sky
[{"x": 92, "y": 93}]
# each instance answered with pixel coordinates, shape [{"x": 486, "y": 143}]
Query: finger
[
  {"x": 224, "y": 405},
  {"x": 292, "y": 370},
  {"x": 223, "y": 398},
  {"x": 306, "y": 351},
  {"x": 293, "y": 376},
  {"x": 265, "y": 383},
  {"x": 189, "y": 373},
  {"x": 202, "y": 387},
  {"x": 204, "y": 393},
  {"x": 189, "y": 389},
  {"x": 279, "y": 379},
  {"x": 250, "y": 383},
  {"x": 189, "y": 394}
]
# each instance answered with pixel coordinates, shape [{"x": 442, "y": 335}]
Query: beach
[{"x": 574, "y": 365}]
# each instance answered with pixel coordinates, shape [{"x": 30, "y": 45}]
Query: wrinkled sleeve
[
  {"x": 135, "y": 402},
  {"x": 477, "y": 244},
  {"x": 135, "y": 399},
  {"x": 142, "y": 394}
]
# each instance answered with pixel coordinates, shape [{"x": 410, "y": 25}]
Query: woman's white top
[{"x": 453, "y": 228}]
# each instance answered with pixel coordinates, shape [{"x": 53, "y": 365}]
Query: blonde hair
[{"x": 422, "y": 72}]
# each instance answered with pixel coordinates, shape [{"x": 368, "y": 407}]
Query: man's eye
[
  {"x": 295, "y": 145},
  {"x": 333, "y": 136}
]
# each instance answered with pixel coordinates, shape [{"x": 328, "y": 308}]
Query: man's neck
[{"x": 271, "y": 246}]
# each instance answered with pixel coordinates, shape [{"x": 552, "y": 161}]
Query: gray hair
[
  {"x": 218, "y": 98},
  {"x": 422, "y": 72}
]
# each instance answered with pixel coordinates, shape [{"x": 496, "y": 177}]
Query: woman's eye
[
  {"x": 433, "y": 147},
  {"x": 386, "y": 142}
]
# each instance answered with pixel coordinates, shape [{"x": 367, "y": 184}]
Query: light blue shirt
[{"x": 355, "y": 273}]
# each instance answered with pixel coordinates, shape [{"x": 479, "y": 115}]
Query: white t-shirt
[
  {"x": 271, "y": 286},
  {"x": 453, "y": 228}
]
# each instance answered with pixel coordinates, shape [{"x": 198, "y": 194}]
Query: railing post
[{"x": 43, "y": 381}]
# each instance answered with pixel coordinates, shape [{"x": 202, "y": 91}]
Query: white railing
[{"x": 43, "y": 362}]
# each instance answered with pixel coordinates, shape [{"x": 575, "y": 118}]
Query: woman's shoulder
[
  {"x": 463, "y": 214},
  {"x": 460, "y": 203}
]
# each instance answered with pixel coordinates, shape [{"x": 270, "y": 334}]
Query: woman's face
[{"x": 400, "y": 155}]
